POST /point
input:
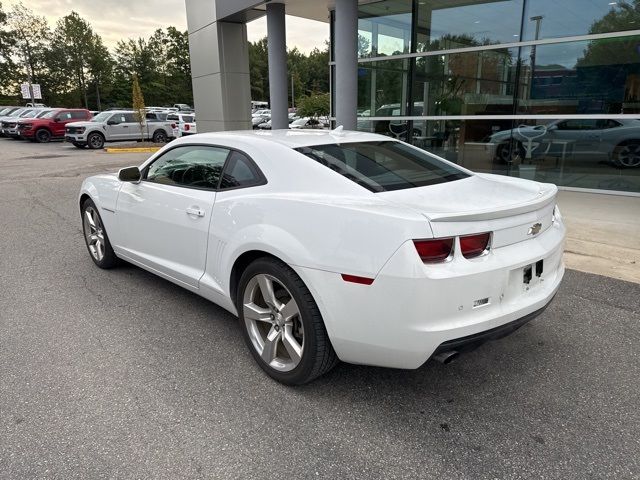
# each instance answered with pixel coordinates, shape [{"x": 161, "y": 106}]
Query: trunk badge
[{"x": 534, "y": 229}]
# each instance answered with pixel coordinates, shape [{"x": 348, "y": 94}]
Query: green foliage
[
  {"x": 138, "y": 104},
  {"x": 7, "y": 43},
  {"x": 315, "y": 105},
  {"x": 310, "y": 73}
]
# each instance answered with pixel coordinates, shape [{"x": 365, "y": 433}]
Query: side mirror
[
  {"x": 112, "y": 122},
  {"x": 57, "y": 119},
  {"x": 129, "y": 174}
]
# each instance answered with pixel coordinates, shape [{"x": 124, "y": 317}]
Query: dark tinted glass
[
  {"x": 598, "y": 76},
  {"x": 189, "y": 166},
  {"x": 240, "y": 172},
  {"x": 383, "y": 166},
  {"x": 381, "y": 91},
  {"x": 79, "y": 115}
]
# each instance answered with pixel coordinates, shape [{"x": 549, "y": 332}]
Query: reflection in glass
[
  {"x": 598, "y": 76},
  {"x": 382, "y": 89},
  {"x": 444, "y": 24},
  {"x": 601, "y": 154},
  {"x": 384, "y": 28},
  {"x": 554, "y": 19},
  {"x": 465, "y": 83}
]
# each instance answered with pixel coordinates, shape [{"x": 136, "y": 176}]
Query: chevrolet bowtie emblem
[{"x": 534, "y": 229}]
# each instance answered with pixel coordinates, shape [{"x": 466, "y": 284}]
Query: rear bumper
[
  {"x": 470, "y": 342},
  {"x": 411, "y": 310}
]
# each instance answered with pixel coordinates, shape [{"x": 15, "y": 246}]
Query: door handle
[
  {"x": 195, "y": 211},
  {"x": 125, "y": 126}
]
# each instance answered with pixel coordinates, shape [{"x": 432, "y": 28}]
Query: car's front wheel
[
  {"x": 96, "y": 238},
  {"x": 43, "y": 136},
  {"x": 95, "y": 141},
  {"x": 282, "y": 324}
]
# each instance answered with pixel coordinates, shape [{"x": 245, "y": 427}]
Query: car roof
[{"x": 295, "y": 138}]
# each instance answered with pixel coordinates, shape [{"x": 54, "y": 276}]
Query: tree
[
  {"x": 7, "y": 43},
  {"x": 138, "y": 105},
  {"x": 32, "y": 36},
  {"x": 315, "y": 106},
  {"x": 75, "y": 36}
]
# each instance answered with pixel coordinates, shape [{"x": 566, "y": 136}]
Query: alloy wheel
[
  {"x": 629, "y": 155},
  {"x": 94, "y": 233},
  {"x": 272, "y": 319}
]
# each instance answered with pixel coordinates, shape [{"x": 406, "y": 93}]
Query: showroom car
[
  {"x": 589, "y": 139},
  {"x": 334, "y": 245}
]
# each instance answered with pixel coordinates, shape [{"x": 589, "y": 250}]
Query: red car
[{"x": 51, "y": 125}]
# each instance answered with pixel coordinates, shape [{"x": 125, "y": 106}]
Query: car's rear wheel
[
  {"x": 95, "y": 141},
  {"x": 160, "y": 136},
  {"x": 282, "y": 324},
  {"x": 96, "y": 238},
  {"x": 43, "y": 136},
  {"x": 627, "y": 155}
]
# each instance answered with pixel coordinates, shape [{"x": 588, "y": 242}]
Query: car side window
[
  {"x": 194, "y": 166},
  {"x": 79, "y": 115},
  {"x": 129, "y": 118},
  {"x": 240, "y": 172}
]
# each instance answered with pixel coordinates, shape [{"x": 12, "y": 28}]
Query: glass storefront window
[
  {"x": 601, "y": 154},
  {"x": 598, "y": 76},
  {"x": 382, "y": 88},
  {"x": 384, "y": 28},
  {"x": 554, "y": 19},
  {"x": 453, "y": 24},
  {"x": 465, "y": 83}
]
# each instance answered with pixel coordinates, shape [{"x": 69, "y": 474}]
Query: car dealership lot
[{"x": 121, "y": 374}]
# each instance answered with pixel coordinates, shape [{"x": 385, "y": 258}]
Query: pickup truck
[{"x": 115, "y": 126}]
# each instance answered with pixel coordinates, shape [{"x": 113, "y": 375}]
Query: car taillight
[
  {"x": 173, "y": 125},
  {"x": 187, "y": 127},
  {"x": 473, "y": 246},
  {"x": 435, "y": 250}
]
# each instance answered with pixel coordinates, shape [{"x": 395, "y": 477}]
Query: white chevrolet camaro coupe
[{"x": 334, "y": 245}]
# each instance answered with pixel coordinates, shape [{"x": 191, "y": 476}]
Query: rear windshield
[{"x": 383, "y": 166}]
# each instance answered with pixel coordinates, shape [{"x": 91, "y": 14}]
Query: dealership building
[{"x": 541, "y": 89}]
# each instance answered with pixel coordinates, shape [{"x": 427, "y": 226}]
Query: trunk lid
[{"x": 507, "y": 206}]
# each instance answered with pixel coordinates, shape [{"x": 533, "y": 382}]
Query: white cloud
[{"x": 116, "y": 20}]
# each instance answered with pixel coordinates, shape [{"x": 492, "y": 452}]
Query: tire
[
  {"x": 301, "y": 350},
  {"x": 159, "y": 136},
  {"x": 510, "y": 152},
  {"x": 43, "y": 136},
  {"x": 79, "y": 145},
  {"x": 627, "y": 155},
  {"x": 95, "y": 141},
  {"x": 96, "y": 238}
]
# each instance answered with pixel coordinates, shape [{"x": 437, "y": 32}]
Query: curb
[{"x": 132, "y": 150}]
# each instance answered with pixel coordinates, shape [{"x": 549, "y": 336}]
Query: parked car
[
  {"x": 7, "y": 110},
  {"x": 259, "y": 119},
  {"x": 156, "y": 116},
  {"x": 115, "y": 126},
  {"x": 13, "y": 128},
  {"x": 51, "y": 125},
  {"x": 334, "y": 245},
  {"x": 590, "y": 140},
  {"x": 36, "y": 105},
  {"x": 183, "y": 107},
  {"x": 308, "y": 122},
  {"x": 11, "y": 120},
  {"x": 265, "y": 125},
  {"x": 265, "y": 112},
  {"x": 178, "y": 122}
]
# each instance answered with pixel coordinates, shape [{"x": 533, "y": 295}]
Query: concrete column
[
  {"x": 278, "y": 84},
  {"x": 346, "y": 57}
]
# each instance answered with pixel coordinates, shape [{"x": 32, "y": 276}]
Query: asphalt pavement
[{"x": 119, "y": 374}]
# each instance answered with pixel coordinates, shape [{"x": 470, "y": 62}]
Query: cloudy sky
[{"x": 120, "y": 19}]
